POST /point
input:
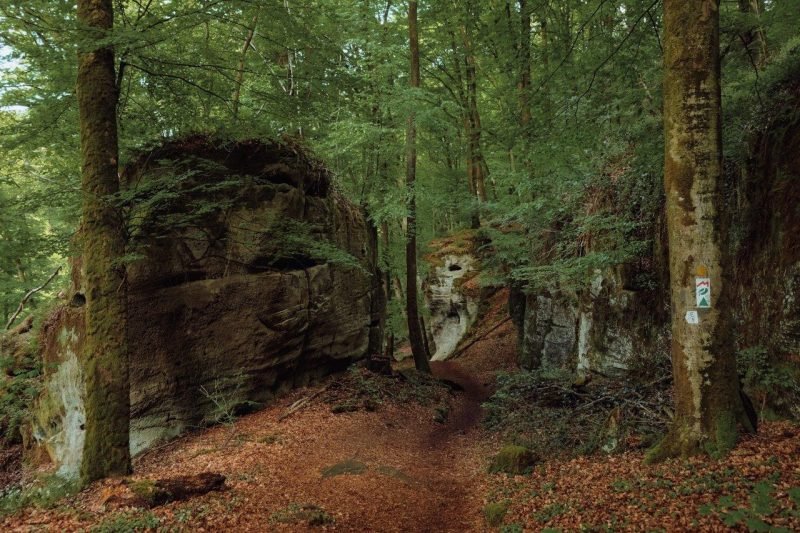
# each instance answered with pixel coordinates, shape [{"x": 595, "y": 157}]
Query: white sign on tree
[{"x": 702, "y": 289}]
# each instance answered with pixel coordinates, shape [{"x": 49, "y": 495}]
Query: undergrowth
[
  {"x": 761, "y": 508},
  {"x": 362, "y": 390},
  {"x": 551, "y": 414},
  {"x": 44, "y": 493},
  {"x": 774, "y": 386},
  {"x": 20, "y": 382},
  {"x": 128, "y": 522}
]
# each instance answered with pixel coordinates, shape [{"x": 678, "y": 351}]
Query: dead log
[{"x": 174, "y": 489}]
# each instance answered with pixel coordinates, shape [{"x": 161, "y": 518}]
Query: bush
[
  {"x": 775, "y": 387},
  {"x": 551, "y": 414},
  {"x": 495, "y": 513},
  {"x": 45, "y": 493}
]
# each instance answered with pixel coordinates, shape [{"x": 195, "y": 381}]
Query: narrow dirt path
[
  {"x": 394, "y": 469},
  {"x": 401, "y": 470}
]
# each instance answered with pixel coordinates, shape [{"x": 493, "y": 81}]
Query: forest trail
[{"x": 392, "y": 469}]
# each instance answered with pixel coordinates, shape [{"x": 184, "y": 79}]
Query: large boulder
[{"x": 254, "y": 276}]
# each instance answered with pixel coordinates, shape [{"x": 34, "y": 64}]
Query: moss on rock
[{"x": 513, "y": 460}]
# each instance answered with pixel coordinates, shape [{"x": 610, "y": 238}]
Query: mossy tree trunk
[
  {"x": 706, "y": 387},
  {"x": 105, "y": 360},
  {"x": 412, "y": 306}
]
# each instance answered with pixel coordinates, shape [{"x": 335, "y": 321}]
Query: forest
[{"x": 399, "y": 265}]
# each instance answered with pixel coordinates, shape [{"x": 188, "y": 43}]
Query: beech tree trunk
[
  {"x": 708, "y": 404},
  {"x": 412, "y": 306},
  {"x": 477, "y": 163},
  {"x": 753, "y": 39},
  {"x": 105, "y": 360},
  {"x": 467, "y": 121},
  {"x": 524, "y": 83},
  {"x": 239, "y": 81}
]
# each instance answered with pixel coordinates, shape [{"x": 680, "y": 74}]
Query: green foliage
[
  {"x": 757, "y": 515},
  {"x": 495, "y": 513},
  {"x": 45, "y": 492},
  {"x": 227, "y": 399},
  {"x": 17, "y": 394},
  {"x": 553, "y": 510},
  {"x": 20, "y": 381},
  {"x": 128, "y": 522},
  {"x": 775, "y": 385}
]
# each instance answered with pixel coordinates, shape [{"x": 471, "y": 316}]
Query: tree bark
[
  {"x": 237, "y": 90},
  {"x": 387, "y": 281},
  {"x": 477, "y": 163},
  {"x": 465, "y": 117},
  {"x": 105, "y": 359},
  {"x": 524, "y": 84},
  {"x": 754, "y": 40},
  {"x": 412, "y": 306},
  {"x": 706, "y": 385}
]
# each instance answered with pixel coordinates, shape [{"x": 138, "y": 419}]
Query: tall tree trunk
[
  {"x": 105, "y": 357},
  {"x": 478, "y": 163},
  {"x": 238, "y": 82},
  {"x": 387, "y": 281},
  {"x": 706, "y": 385},
  {"x": 412, "y": 306},
  {"x": 524, "y": 83},
  {"x": 754, "y": 40},
  {"x": 465, "y": 117}
]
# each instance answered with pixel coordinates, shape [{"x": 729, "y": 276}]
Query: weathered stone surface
[
  {"x": 604, "y": 328},
  {"x": 231, "y": 308},
  {"x": 453, "y": 309},
  {"x": 58, "y": 416}
]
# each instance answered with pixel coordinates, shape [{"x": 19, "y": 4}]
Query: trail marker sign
[
  {"x": 692, "y": 317},
  {"x": 702, "y": 291}
]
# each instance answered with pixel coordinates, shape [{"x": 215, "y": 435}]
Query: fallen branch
[
  {"x": 163, "y": 491},
  {"x": 299, "y": 404},
  {"x": 28, "y": 296},
  {"x": 478, "y": 339}
]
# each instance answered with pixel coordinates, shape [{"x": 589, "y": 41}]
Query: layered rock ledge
[{"x": 254, "y": 276}]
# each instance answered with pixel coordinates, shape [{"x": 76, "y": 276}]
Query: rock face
[
  {"x": 256, "y": 276},
  {"x": 453, "y": 309},
  {"x": 614, "y": 324},
  {"x": 605, "y": 328}
]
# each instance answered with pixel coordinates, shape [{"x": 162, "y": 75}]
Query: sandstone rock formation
[
  {"x": 605, "y": 328},
  {"x": 453, "y": 306},
  {"x": 255, "y": 276}
]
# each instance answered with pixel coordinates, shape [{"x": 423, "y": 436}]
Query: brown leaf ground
[
  {"x": 397, "y": 469},
  {"x": 620, "y": 493}
]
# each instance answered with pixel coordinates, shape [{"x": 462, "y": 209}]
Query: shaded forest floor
[{"x": 407, "y": 454}]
